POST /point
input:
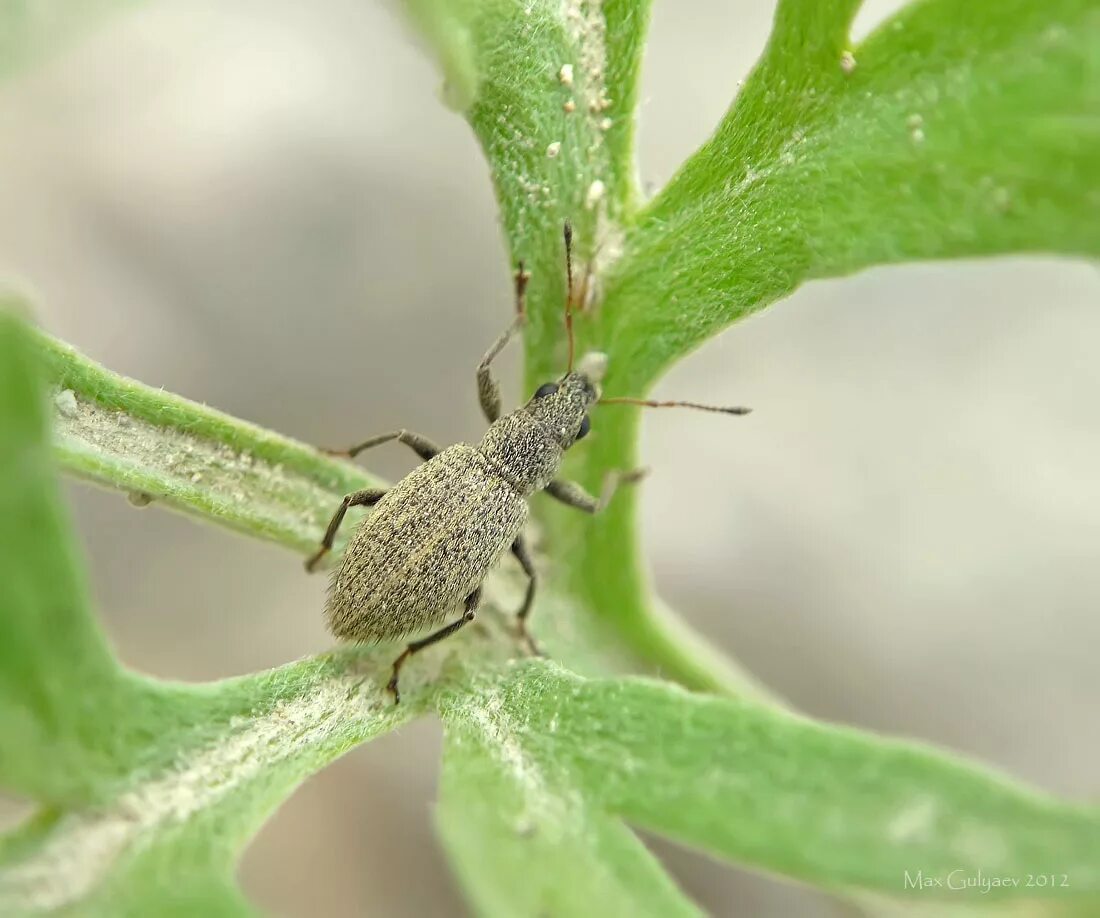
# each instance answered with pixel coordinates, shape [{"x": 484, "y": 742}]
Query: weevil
[{"x": 434, "y": 536}]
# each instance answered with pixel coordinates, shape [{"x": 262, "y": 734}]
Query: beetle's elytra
[{"x": 434, "y": 536}]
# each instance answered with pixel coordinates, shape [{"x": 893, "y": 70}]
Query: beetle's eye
[
  {"x": 546, "y": 389},
  {"x": 586, "y": 425}
]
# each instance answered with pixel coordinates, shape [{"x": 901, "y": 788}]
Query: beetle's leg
[
  {"x": 472, "y": 602},
  {"x": 571, "y": 493},
  {"x": 366, "y": 498},
  {"x": 488, "y": 391},
  {"x": 422, "y": 446},
  {"x": 519, "y": 549}
]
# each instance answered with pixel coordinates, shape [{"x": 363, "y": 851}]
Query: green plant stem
[{"x": 125, "y": 435}]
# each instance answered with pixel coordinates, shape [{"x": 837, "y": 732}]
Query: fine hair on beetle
[{"x": 433, "y": 537}]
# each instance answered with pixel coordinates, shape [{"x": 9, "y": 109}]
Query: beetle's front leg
[
  {"x": 420, "y": 445},
  {"x": 571, "y": 493},
  {"x": 488, "y": 390}
]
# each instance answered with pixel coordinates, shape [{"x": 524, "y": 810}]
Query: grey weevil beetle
[{"x": 434, "y": 536}]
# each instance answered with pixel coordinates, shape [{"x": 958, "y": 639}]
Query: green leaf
[
  {"x": 155, "y": 445},
  {"x": 213, "y": 762},
  {"x": 964, "y": 129},
  {"x": 522, "y": 839},
  {"x": 541, "y": 766},
  {"x": 551, "y": 92},
  {"x": 148, "y": 790},
  {"x": 57, "y": 677}
]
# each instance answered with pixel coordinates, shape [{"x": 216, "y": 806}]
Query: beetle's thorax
[
  {"x": 522, "y": 451},
  {"x": 526, "y": 446}
]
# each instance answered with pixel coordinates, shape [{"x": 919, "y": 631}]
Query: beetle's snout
[{"x": 593, "y": 365}]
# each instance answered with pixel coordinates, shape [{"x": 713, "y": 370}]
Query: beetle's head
[{"x": 562, "y": 406}]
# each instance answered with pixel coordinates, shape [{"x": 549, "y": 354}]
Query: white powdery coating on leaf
[
  {"x": 82, "y": 849},
  {"x": 595, "y": 194},
  {"x": 542, "y": 805},
  {"x": 233, "y": 481},
  {"x": 587, "y": 28},
  {"x": 914, "y": 823},
  {"x": 981, "y": 845},
  {"x": 493, "y": 726},
  {"x": 66, "y": 403}
]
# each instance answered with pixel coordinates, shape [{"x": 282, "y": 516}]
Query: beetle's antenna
[
  {"x": 646, "y": 403},
  {"x": 567, "y": 232}
]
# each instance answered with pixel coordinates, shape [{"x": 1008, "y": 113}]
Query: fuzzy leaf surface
[
  {"x": 147, "y": 790},
  {"x": 157, "y": 446},
  {"x": 543, "y": 769}
]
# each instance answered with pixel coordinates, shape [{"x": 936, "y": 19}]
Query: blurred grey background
[{"x": 262, "y": 206}]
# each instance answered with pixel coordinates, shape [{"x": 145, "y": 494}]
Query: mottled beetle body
[
  {"x": 435, "y": 535},
  {"x": 428, "y": 544}
]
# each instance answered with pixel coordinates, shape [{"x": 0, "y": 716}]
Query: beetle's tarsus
[
  {"x": 528, "y": 639},
  {"x": 472, "y": 602},
  {"x": 391, "y": 686}
]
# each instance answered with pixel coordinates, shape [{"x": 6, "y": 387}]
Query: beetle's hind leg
[
  {"x": 365, "y": 498},
  {"x": 472, "y": 602},
  {"x": 519, "y": 549}
]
